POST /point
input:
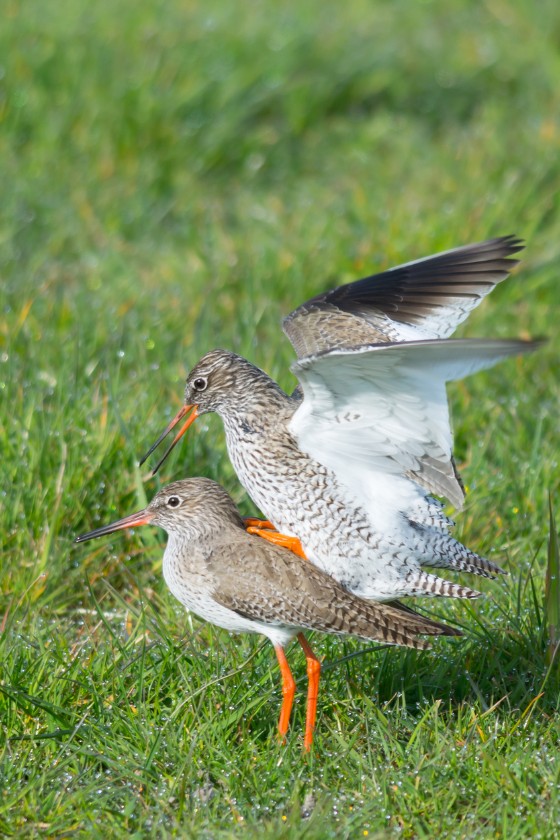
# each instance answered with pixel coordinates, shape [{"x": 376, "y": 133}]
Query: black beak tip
[
  {"x": 82, "y": 538},
  {"x": 161, "y": 461}
]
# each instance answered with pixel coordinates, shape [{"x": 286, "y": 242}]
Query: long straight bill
[
  {"x": 143, "y": 517},
  {"x": 178, "y": 417}
]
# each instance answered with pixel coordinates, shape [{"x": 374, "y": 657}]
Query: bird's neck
[{"x": 257, "y": 409}]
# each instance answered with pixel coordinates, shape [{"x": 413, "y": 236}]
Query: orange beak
[
  {"x": 178, "y": 417},
  {"x": 143, "y": 517}
]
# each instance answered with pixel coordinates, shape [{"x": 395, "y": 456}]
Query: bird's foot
[
  {"x": 277, "y": 538},
  {"x": 258, "y": 524}
]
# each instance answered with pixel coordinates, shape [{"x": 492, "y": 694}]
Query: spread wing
[
  {"x": 378, "y": 415},
  {"x": 424, "y": 299}
]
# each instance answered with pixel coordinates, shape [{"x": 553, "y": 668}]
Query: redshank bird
[
  {"x": 242, "y": 583},
  {"x": 348, "y": 463}
]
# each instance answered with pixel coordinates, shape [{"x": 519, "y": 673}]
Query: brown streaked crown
[{"x": 227, "y": 384}]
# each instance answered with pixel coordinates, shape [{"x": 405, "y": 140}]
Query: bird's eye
[
  {"x": 200, "y": 383},
  {"x": 174, "y": 501}
]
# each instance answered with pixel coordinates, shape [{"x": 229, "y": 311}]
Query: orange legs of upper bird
[
  {"x": 257, "y": 524},
  {"x": 265, "y": 529},
  {"x": 313, "y": 674},
  {"x": 289, "y": 689}
]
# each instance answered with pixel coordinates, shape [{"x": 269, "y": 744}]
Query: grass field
[{"x": 176, "y": 177}]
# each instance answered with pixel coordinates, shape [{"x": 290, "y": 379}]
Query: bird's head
[
  {"x": 222, "y": 382},
  {"x": 189, "y": 507}
]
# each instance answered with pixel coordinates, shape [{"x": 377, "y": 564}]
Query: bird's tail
[{"x": 447, "y": 553}]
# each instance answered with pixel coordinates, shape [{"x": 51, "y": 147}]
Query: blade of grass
[{"x": 552, "y": 588}]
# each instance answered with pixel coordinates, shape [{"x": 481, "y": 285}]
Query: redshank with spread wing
[{"x": 348, "y": 464}]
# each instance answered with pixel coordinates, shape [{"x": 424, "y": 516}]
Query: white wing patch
[{"x": 378, "y": 415}]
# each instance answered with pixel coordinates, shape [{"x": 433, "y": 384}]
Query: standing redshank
[
  {"x": 232, "y": 579},
  {"x": 348, "y": 468}
]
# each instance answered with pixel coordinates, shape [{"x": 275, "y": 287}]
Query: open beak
[
  {"x": 143, "y": 517},
  {"x": 178, "y": 417}
]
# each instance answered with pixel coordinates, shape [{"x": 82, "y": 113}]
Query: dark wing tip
[
  {"x": 451, "y": 631},
  {"x": 408, "y": 293},
  {"x": 511, "y": 243}
]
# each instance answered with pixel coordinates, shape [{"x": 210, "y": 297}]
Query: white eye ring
[
  {"x": 200, "y": 383},
  {"x": 173, "y": 501}
]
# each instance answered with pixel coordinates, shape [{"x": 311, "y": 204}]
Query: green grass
[{"x": 176, "y": 177}]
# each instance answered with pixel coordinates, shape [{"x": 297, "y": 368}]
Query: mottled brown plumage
[{"x": 240, "y": 582}]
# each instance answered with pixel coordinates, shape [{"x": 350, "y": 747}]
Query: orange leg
[
  {"x": 279, "y": 539},
  {"x": 257, "y": 524},
  {"x": 288, "y": 690},
  {"x": 313, "y": 674}
]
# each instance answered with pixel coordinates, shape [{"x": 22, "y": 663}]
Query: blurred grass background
[{"x": 177, "y": 176}]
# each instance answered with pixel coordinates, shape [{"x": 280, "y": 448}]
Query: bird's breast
[{"x": 300, "y": 496}]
